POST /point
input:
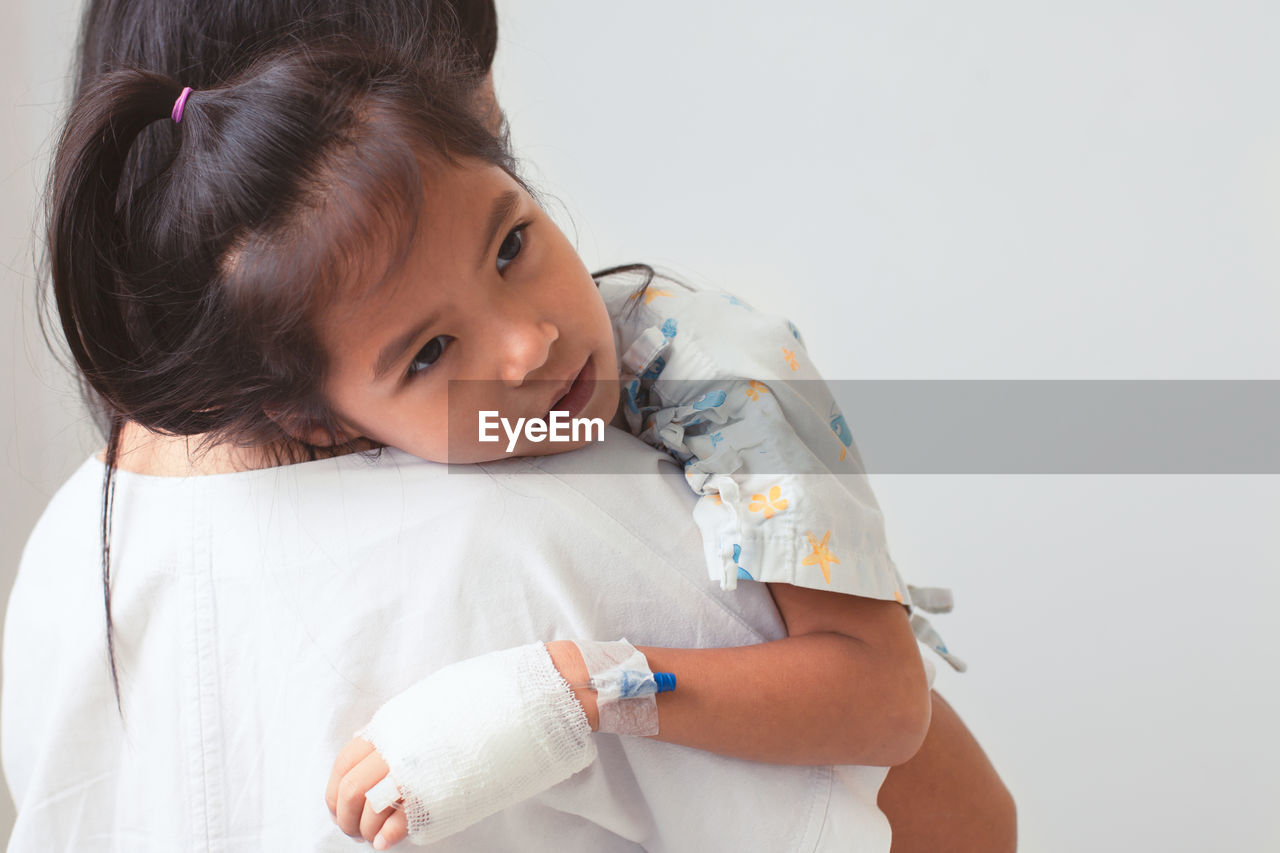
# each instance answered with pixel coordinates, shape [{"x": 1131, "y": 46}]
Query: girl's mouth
[{"x": 580, "y": 391}]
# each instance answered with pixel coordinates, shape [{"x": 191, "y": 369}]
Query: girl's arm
[
  {"x": 846, "y": 687},
  {"x": 949, "y": 798}
]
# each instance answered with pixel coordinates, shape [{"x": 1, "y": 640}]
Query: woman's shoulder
[
  {"x": 620, "y": 472},
  {"x": 78, "y": 498}
]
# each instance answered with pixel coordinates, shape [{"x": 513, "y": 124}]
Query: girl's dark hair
[
  {"x": 187, "y": 297},
  {"x": 205, "y": 43}
]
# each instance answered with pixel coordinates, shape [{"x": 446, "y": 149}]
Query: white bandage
[
  {"x": 383, "y": 795},
  {"x": 478, "y": 736},
  {"x": 624, "y": 687}
]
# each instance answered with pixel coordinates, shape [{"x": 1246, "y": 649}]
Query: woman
[{"x": 232, "y": 779}]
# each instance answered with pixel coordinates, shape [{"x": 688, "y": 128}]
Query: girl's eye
[
  {"x": 510, "y": 247},
  {"x": 429, "y": 354}
]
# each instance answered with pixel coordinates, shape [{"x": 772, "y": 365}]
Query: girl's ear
[{"x": 309, "y": 429}]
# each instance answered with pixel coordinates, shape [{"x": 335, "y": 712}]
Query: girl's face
[{"x": 491, "y": 311}]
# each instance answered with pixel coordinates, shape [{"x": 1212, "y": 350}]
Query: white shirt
[{"x": 262, "y": 617}]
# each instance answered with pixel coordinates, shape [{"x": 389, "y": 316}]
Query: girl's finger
[
  {"x": 395, "y": 830},
  {"x": 371, "y": 821},
  {"x": 351, "y": 791},
  {"x": 351, "y": 755}
]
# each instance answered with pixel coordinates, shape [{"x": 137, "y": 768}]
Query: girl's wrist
[{"x": 567, "y": 659}]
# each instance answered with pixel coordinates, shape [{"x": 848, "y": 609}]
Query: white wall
[
  {"x": 43, "y": 433},
  {"x": 981, "y": 190},
  {"x": 988, "y": 190}
]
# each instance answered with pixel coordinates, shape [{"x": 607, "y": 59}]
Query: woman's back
[{"x": 261, "y": 618}]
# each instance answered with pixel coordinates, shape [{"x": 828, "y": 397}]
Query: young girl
[{"x": 335, "y": 241}]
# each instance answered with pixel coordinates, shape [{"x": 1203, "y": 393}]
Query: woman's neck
[{"x": 144, "y": 452}]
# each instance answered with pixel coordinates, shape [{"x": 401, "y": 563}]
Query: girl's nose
[{"x": 525, "y": 348}]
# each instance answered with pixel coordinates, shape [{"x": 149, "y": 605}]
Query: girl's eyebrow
[
  {"x": 390, "y": 354},
  {"x": 502, "y": 207}
]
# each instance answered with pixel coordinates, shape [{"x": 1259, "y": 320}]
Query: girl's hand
[
  {"x": 357, "y": 769},
  {"x": 463, "y": 743}
]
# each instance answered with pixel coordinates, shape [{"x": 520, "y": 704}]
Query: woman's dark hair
[
  {"x": 207, "y": 42},
  {"x": 188, "y": 299}
]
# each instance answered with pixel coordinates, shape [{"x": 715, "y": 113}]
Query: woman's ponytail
[{"x": 85, "y": 248}]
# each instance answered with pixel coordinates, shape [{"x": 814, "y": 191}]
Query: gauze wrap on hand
[{"x": 478, "y": 736}]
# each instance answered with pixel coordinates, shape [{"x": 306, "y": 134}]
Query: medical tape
[
  {"x": 625, "y": 687},
  {"x": 383, "y": 795}
]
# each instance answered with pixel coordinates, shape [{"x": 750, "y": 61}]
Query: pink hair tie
[{"x": 180, "y": 104}]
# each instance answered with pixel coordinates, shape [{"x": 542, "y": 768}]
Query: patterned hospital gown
[{"x": 731, "y": 394}]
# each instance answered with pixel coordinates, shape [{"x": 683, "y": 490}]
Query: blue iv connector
[{"x": 634, "y": 684}]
